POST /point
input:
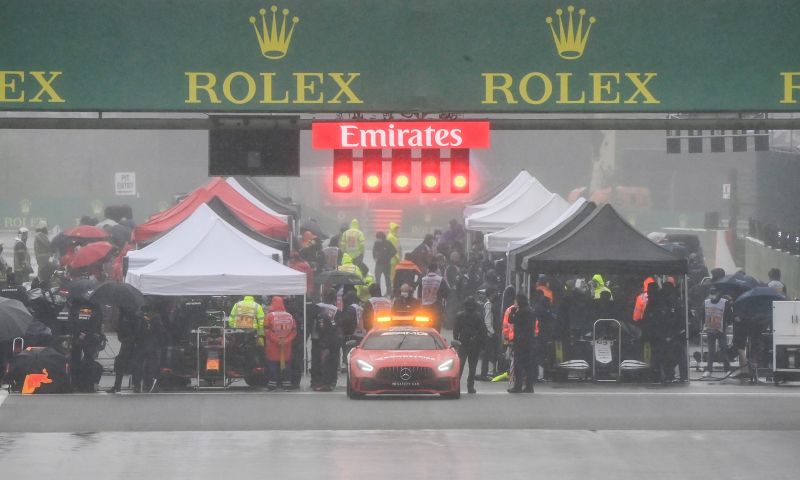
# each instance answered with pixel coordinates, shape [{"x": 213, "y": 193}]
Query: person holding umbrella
[
  {"x": 280, "y": 330},
  {"x": 123, "y": 363},
  {"x": 149, "y": 333},
  {"x": 86, "y": 320},
  {"x": 14, "y": 322}
]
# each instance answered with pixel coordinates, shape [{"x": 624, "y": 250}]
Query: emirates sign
[{"x": 351, "y": 135}]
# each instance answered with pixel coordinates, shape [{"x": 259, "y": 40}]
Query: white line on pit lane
[{"x": 3, "y": 396}]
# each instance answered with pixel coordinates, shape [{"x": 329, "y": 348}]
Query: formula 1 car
[{"x": 403, "y": 360}]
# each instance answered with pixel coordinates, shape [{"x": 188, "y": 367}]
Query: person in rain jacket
[
  {"x": 248, "y": 314},
  {"x": 470, "y": 330},
  {"x": 599, "y": 286},
  {"x": 641, "y": 301},
  {"x": 22, "y": 258},
  {"x": 280, "y": 330},
  {"x": 349, "y": 266},
  {"x": 398, "y": 256},
  {"x": 352, "y": 243}
]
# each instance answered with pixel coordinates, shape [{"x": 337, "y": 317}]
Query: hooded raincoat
[
  {"x": 352, "y": 241},
  {"x": 280, "y": 330},
  {"x": 392, "y": 237}
]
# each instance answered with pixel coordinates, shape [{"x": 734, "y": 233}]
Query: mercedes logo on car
[{"x": 405, "y": 374}]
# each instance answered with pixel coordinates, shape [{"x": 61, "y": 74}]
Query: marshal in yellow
[{"x": 539, "y": 88}]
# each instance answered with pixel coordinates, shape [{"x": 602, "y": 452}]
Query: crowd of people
[{"x": 452, "y": 282}]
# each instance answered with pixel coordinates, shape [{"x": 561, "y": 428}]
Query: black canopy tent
[{"x": 604, "y": 242}]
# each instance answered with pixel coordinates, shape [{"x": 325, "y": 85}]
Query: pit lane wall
[{"x": 759, "y": 259}]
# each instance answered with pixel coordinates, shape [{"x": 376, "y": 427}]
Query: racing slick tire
[{"x": 351, "y": 394}]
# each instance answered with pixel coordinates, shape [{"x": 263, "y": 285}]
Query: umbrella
[
  {"x": 80, "y": 288},
  {"x": 14, "y": 319},
  {"x": 86, "y": 232},
  {"x": 119, "y": 294},
  {"x": 756, "y": 301},
  {"x": 338, "y": 277},
  {"x": 736, "y": 284},
  {"x": 312, "y": 226},
  {"x": 90, "y": 254}
]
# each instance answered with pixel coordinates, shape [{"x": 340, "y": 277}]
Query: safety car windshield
[{"x": 403, "y": 340}]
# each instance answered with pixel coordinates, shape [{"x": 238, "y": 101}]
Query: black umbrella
[
  {"x": 756, "y": 301},
  {"x": 14, "y": 319},
  {"x": 118, "y": 294},
  {"x": 736, "y": 284},
  {"x": 337, "y": 277},
  {"x": 80, "y": 288},
  {"x": 312, "y": 226}
]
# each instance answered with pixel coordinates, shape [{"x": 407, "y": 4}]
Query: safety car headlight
[
  {"x": 446, "y": 365},
  {"x": 364, "y": 366}
]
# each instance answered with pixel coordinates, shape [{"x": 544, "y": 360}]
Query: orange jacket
[
  {"x": 641, "y": 301},
  {"x": 280, "y": 330}
]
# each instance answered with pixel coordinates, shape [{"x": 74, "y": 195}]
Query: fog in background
[{"x": 60, "y": 175}]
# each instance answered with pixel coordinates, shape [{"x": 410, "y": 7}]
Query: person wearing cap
[
  {"x": 22, "y": 258},
  {"x": 42, "y": 250}
]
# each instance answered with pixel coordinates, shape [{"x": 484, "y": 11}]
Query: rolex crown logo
[
  {"x": 274, "y": 41},
  {"x": 570, "y": 41}
]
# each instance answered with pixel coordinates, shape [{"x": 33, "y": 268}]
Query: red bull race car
[{"x": 403, "y": 360}]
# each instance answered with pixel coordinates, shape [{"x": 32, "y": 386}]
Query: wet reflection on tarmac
[{"x": 462, "y": 454}]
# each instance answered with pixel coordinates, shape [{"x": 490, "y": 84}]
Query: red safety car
[{"x": 403, "y": 360}]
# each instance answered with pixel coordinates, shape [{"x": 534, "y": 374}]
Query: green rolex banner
[{"x": 400, "y": 55}]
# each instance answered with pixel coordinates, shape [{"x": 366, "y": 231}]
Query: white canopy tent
[
  {"x": 511, "y": 210},
  {"x": 514, "y": 244},
  {"x": 518, "y": 185},
  {"x": 528, "y": 227},
  {"x": 188, "y": 233},
  {"x": 250, "y": 198},
  {"x": 221, "y": 263}
]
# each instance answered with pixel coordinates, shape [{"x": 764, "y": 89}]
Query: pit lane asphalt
[{"x": 695, "y": 406}]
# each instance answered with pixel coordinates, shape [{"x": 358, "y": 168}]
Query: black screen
[{"x": 254, "y": 151}]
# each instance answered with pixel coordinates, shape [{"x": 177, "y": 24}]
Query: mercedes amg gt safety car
[{"x": 403, "y": 360}]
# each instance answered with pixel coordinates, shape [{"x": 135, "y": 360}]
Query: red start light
[
  {"x": 373, "y": 181},
  {"x": 459, "y": 170},
  {"x": 430, "y": 170},
  {"x": 401, "y": 171},
  {"x": 373, "y": 171},
  {"x": 430, "y": 181},
  {"x": 402, "y": 181},
  {"x": 343, "y": 181},
  {"x": 342, "y": 171}
]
